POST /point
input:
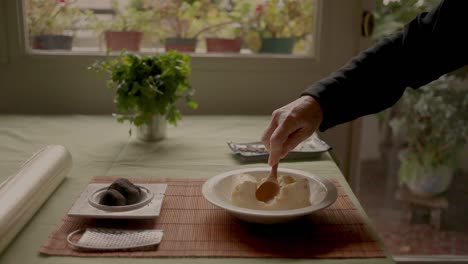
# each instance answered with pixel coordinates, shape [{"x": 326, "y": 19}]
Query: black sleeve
[{"x": 432, "y": 44}]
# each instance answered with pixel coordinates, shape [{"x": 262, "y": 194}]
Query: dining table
[{"x": 100, "y": 146}]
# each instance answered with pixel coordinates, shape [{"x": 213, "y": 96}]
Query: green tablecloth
[{"x": 101, "y": 146}]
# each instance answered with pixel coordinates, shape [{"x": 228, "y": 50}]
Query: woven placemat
[{"x": 194, "y": 227}]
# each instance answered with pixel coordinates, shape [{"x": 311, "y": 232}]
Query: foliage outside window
[
  {"x": 52, "y": 17},
  {"x": 433, "y": 123},
  {"x": 159, "y": 26},
  {"x": 392, "y": 15},
  {"x": 126, "y": 18},
  {"x": 430, "y": 122}
]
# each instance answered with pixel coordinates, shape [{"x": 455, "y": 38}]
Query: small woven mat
[{"x": 193, "y": 227}]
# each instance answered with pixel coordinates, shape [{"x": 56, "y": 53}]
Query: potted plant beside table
[
  {"x": 432, "y": 124},
  {"x": 147, "y": 89}
]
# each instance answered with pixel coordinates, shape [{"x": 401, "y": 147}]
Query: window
[
  {"x": 419, "y": 218},
  {"x": 197, "y": 26}
]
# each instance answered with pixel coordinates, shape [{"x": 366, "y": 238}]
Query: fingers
[
  {"x": 293, "y": 140},
  {"x": 290, "y": 125},
  {"x": 278, "y": 138},
  {"x": 269, "y": 131}
]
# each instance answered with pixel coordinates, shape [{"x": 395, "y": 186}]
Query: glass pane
[
  {"x": 415, "y": 191},
  {"x": 201, "y": 26}
]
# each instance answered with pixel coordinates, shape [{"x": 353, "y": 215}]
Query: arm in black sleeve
[{"x": 432, "y": 44}]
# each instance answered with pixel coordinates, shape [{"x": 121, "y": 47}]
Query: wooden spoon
[{"x": 269, "y": 188}]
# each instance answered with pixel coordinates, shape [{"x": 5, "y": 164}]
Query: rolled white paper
[{"x": 23, "y": 193}]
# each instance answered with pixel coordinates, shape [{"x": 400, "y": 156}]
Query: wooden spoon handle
[{"x": 274, "y": 171}]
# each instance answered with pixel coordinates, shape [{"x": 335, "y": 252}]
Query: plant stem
[{"x": 213, "y": 26}]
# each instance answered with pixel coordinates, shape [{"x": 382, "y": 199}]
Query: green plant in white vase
[
  {"x": 148, "y": 86},
  {"x": 432, "y": 123}
]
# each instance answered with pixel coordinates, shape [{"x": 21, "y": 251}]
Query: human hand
[{"x": 290, "y": 125}]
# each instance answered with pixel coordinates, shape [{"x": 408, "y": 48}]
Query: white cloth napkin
[{"x": 23, "y": 193}]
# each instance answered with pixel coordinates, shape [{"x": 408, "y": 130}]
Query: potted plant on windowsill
[
  {"x": 234, "y": 19},
  {"x": 147, "y": 89},
  {"x": 183, "y": 21},
  {"x": 179, "y": 22},
  {"x": 51, "y": 23},
  {"x": 126, "y": 29},
  {"x": 281, "y": 23},
  {"x": 432, "y": 124}
]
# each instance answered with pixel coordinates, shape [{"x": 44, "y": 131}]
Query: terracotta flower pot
[
  {"x": 118, "y": 40},
  {"x": 181, "y": 44},
  {"x": 51, "y": 42},
  {"x": 223, "y": 45}
]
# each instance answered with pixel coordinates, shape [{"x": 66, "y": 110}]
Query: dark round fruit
[
  {"x": 131, "y": 192},
  {"x": 112, "y": 198}
]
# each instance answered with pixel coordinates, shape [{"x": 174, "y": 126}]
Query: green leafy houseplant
[
  {"x": 288, "y": 18},
  {"x": 432, "y": 122},
  {"x": 418, "y": 159},
  {"x": 53, "y": 21},
  {"x": 391, "y": 16},
  {"x": 182, "y": 22},
  {"x": 180, "y": 18},
  {"x": 52, "y": 17},
  {"x": 228, "y": 21},
  {"x": 145, "y": 86},
  {"x": 128, "y": 18},
  {"x": 126, "y": 30},
  {"x": 227, "y": 25},
  {"x": 281, "y": 23}
]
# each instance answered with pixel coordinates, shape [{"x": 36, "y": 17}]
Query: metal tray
[{"x": 309, "y": 148}]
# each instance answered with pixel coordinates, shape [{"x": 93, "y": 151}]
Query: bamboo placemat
[{"x": 195, "y": 228}]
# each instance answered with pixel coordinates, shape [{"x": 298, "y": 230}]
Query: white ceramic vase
[{"x": 154, "y": 131}]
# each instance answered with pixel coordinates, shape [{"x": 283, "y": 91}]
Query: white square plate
[{"x": 82, "y": 207}]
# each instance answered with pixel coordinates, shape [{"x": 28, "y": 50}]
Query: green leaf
[{"x": 148, "y": 85}]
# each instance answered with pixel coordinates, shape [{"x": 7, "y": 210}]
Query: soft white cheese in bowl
[{"x": 300, "y": 194}]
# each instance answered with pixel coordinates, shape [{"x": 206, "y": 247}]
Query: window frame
[{"x": 3, "y": 34}]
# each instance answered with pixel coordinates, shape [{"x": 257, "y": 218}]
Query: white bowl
[{"x": 217, "y": 190}]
